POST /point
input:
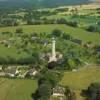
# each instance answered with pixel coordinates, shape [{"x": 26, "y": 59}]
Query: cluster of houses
[{"x": 14, "y": 72}]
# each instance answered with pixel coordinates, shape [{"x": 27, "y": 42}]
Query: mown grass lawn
[
  {"x": 16, "y": 89},
  {"x": 81, "y": 79}
]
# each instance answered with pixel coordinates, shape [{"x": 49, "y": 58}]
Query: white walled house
[
  {"x": 32, "y": 72},
  {"x": 11, "y": 72},
  {"x": 0, "y": 68},
  {"x": 58, "y": 91}
]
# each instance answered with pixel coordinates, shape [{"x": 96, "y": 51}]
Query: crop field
[
  {"x": 85, "y": 14},
  {"x": 81, "y": 79},
  {"x": 16, "y": 89}
]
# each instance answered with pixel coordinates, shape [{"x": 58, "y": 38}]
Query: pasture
[
  {"x": 16, "y": 89},
  {"x": 81, "y": 79},
  {"x": 74, "y": 32}
]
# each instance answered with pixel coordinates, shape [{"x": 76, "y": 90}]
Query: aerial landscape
[{"x": 49, "y": 49}]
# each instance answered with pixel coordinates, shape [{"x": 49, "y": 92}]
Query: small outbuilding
[
  {"x": 58, "y": 91},
  {"x": 32, "y": 72},
  {"x": 0, "y": 68},
  {"x": 11, "y": 72}
]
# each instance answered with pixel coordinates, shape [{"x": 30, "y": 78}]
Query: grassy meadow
[
  {"x": 16, "y": 89},
  {"x": 81, "y": 79},
  {"x": 75, "y": 32}
]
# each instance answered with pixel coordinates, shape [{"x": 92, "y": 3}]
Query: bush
[
  {"x": 52, "y": 65},
  {"x": 71, "y": 64},
  {"x": 19, "y": 30},
  {"x": 98, "y": 22},
  {"x": 72, "y": 23},
  {"x": 98, "y": 58},
  {"x": 66, "y": 36},
  {"x": 61, "y": 21},
  {"x": 91, "y": 29},
  {"x": 44, "y": 92},
  {"x": 93, "y": 92},
  {"x": 56, "y": 33},
  {"x": 70, "y": 95}
]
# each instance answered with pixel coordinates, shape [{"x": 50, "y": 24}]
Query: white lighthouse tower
[{"x": 53, "y": 55}]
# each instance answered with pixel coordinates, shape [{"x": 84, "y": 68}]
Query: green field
[
  {"x": 12, "y": 52},
  {"x": 81, "y": 80},
  {"x": 75, "y": 32},
  {"x": 22, "y": 48},
  {"x": 16, "y": 89}
]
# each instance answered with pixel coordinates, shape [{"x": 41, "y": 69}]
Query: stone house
[
  {"x": 11, "y": 72},
  {"x": 58, "y": 91},
  {"x": 32, "y": 72}
]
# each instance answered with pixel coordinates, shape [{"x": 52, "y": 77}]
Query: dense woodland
[{"x": 8, "y": 4}]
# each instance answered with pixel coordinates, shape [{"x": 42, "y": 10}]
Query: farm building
[
  {"x": 58, "y": 91},
  {"x": 32, "y": 72},
  {"x": 0, "y": 68},
  {"x": 11, "y": 72}
]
